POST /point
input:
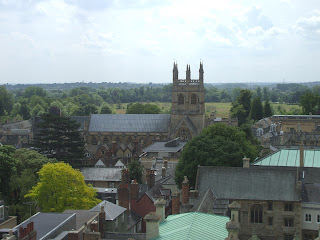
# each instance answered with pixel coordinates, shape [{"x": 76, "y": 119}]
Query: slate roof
[
  {"x": 101, "y": 174},
  {"x": 157, "y": 191},
  {"x": 129, "y": 123},
  {"x": 100, "y": 164},
  {"x": 193, "y": 225},
  {"x": 82, "y": 120},
  {"x": 82, "y": 216},
  {"x": 290, "y": 157},
  {"x": 254, "y": 183},
  {"x": 311, "y": 193},
  {"x": 161, "y": 147},
  {"x": 112, "y": 210},
  {"x": 44, "y": 223}
]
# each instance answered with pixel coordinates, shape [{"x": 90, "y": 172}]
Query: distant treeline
[{"x": 25, "y": 101}]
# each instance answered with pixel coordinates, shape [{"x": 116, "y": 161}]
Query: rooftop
[
  {"x": 290, "y": 158},
  {"x": 129, "y": 123},
  {"x": 101, "y": 174},
  {"x": 82, "y": 216},
  {"x": 112, "y": 210},
  {"x": 194, "y": 226},
  {"x": 165, "y": 147}
]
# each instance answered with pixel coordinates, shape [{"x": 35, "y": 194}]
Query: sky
[{"x": 57, "y": 41}]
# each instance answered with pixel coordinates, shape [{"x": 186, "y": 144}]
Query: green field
[{"x": 222, "y": 109}]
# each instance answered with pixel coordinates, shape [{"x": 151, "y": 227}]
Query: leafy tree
[
  {"x": 267, "y": 110},
  {"x": 6, "y": 101},
  {"x": 31, "y": 91},
  {"x": 310, "y": 102},
  {"x": 58, "y": 137},
  {"x": 37, "y": 110},
  {"x": 24, "y": 110},
  {"x": 61, "y": 187},
  {"x": 136, "y": 171},
  {"x": 105, "y": 109},
  {"x": 242, "y": 106},
  {"x": 139, "y": 108},
  {"x": 217, "y": 145},
  {"x": 7, "y": 168},
  {"x": 256, "y": 112}
]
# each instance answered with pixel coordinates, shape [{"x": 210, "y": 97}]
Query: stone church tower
[{"x": 188, "y": 109}]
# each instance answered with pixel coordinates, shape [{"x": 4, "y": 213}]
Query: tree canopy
[
  {"x": 61, "y": 187},
  {"x": 135, "y": 171},
  {"x": 58, "y": 137},
  {"x": 217, "y": 145},
  {"x": 139, "y": 108}
]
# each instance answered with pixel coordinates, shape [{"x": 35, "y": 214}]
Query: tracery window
[
  {"x": 184, "y": 134},
  {"x": 256, "y": 213},
  {"x": 194, "y": 99},
  {"x": 180, "y": 99}
]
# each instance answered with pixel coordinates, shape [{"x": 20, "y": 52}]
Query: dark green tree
[
  {"x": 136, "y": 171},
  {"x": 7, "y": 168},
  {"x": 139, "y": 108},
  {"x": 105, "y": 109},
  {"x": 59, "y": 137},
  {"x": 256, "y": 112},
  {"x": 217, "y": 145},
  {"x": 267, "y": 109},
  {"x": 24, "y": 110},
  {"x": 6, "y": 101},
  {"x": 310, "y": 103},
  {"x": 242, "y": 106}
]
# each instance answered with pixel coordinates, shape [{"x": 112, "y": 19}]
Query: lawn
[{"x": 221, "y": 109}]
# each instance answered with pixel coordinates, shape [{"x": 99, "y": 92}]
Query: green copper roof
[
  {"x": 291, "y": 158},
  {"x": 194, "y": 225}
]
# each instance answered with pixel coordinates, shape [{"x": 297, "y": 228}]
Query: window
[
  {"x": 308, "y": 217},
  {"x": 288, "y": 222},
  {"x": 256, "y": 213},
  {"x": 116, "y": 223},
  {"x": 288, "y": 237},
  {"x": 194, "y": 99},
  {"x": 288, "y": 207},
  {"x": 318, "y": 218},
  {"x": 94, "y": 141},
  {"x": 270, "y": 221},
  {"x": 180, "y": 99},
  {"x": 270, "y": 206},
  {"x": 308, "y": 237}
]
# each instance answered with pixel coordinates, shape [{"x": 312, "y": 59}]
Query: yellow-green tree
[{"x": 61, "y": 187}]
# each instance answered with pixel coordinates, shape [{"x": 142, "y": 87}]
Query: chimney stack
[
  {"x": 150, "y": 178},
  {"x": 134, "y": 190},
  {"x": 102, "y": 217},
  {"x": 246, "y": 162},
  {"x": 152, "y": 225},
  {"x": 123, "y": 196},
  {"x": 233, "y": 225},
  {"x": 165, "y": 163},
  {"x": 160, "y": 205},
  {"x": 125, "y": 179},
  {"x": 185, "y": 191},
  {"x": 176, "y": 203},
  {"x": 163, "y": 173},
  {"x": 301, "y": 155},
  {"x": 114, "y": 148}
]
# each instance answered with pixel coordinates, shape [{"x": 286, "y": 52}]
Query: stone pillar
[
  {"x": 246, "y": 162},
  {"x": 185, "y": 191},
  {"x": 233, "y": 225},
  {"x": 123, "y": 196},
  {"x": 163, "y": 172},
  {"x": 161, "y": 208},
  {"x": 152, "y": 225},
  {"x": 114, "y": 148},
  {"x": 165, "y": 163},
  {"x": 176, "y": 203},
  {"x": 134, "y": 190}
]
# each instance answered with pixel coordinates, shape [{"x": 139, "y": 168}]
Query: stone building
[{"x": 126, "y": 135}]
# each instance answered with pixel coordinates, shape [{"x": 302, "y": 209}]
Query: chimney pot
[{"x": 246, "y": 162}]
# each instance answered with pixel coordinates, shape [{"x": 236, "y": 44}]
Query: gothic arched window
[
  {"x": 256, "y": 213},
  {"x": 194, "y": 99},
  {"x": 180, "y": 99},
  {"x": 184, "y": 134}
]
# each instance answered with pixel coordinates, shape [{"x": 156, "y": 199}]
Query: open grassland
[{"x": 221, "y": 109}]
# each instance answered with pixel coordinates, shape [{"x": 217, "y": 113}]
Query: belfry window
[
  {"x": 180, "y": 99},
  {"x": 256, "y": 213},
  {"x": 194, "y": 99}
]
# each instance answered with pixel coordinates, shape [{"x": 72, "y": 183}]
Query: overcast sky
[{"x": 137, "y": 41}]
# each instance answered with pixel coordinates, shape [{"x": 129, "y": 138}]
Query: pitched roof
[
  {"x": 129, "y": 123},
  {"x": 311, "y": 193},
  {"x": 193, "y": 226},
  {"x": 100, "y": 164},
  {"x": 82, "y": 216},
  {"x": 101, "y": 174},
  {"x": 291, "y": 157},
  {"x": 163, "y": 147},
  {"x": 254, "y": 183},
  {"x": 112, "y": 210}
]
